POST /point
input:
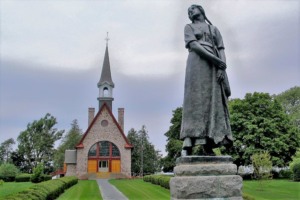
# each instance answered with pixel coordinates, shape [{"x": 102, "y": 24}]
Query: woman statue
[{"x": 205, "y": 117}]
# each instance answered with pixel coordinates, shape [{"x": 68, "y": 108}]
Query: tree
[
  {"x": 290, "y": 100},
  {"x": 19, "y": 161},
  {"x": 38, "y": 173},
  {"x": 6, "y": 149},
  {"x": 262, "y": 165},
  {"x": 69, "y": 141},
  {"x": 8, "y": 171},
  {"x": 174, "y": 144},
  {"x": 36, "y": 143},
  {"x": 144, "y": 157},
  {"x": 259, "y": 123}
]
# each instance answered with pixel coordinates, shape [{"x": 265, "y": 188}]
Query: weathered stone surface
[
  {"x": 206, "y": 187},
  {"x": 205, "y": 169},
  {"x": 203, "y": 159}
]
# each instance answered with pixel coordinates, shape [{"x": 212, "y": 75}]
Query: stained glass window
[
  {"x": 104, "y": 148},
  {"x": 115, "y": 151},
  {"x": 93, "y": 150}
]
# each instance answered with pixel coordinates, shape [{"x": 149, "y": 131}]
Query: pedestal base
[{"x": 206, "y": 177}]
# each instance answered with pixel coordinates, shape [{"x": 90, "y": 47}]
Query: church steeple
[{"x": 105, "y": 83}]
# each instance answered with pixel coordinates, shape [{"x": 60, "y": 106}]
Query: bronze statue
[{"x": 205, "y": 117}]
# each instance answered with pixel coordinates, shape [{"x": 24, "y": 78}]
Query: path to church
[{"x": 108, "y": 191}]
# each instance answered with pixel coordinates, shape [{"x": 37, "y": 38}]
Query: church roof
[
  {"x": 104, "y": 106},
  {"x": 106, "y": 74}
]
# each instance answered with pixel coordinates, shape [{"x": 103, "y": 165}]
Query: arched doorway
[{"x": 104, "y": 156}]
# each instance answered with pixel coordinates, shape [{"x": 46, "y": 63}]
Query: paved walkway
[{"x": 108, "y": 191}]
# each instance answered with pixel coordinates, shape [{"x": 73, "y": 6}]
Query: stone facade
[
  {"x": 97, "y": 132},
  {"x": 110, "y": 131}
]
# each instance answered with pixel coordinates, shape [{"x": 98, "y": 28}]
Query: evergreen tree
[
  {"x": 69, "y": 142},
  {"x": 144, "y": 157}
]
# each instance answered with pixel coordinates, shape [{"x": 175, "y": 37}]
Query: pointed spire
[{"x": 106, "y": 74}]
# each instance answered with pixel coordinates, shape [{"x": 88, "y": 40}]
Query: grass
[
  {"x": 140, "y": 190},
  {"x": 13, "y": 187},
  {"x": 273, "y": 190},
  {"x": 84, "y": 189}
]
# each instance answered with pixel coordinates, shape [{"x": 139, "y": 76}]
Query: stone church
[{"x": 103, "y": 151}]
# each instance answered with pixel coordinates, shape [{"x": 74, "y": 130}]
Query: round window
[{"x": 104, "y": 123}]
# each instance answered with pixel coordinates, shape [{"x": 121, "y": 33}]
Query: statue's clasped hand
[{"x": 220, "y": 75}]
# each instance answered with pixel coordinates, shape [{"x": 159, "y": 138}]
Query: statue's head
[{"x": 200, "y": 8}]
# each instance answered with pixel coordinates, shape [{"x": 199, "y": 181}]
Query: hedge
[
  {"x": 162, "y": 180},
  {"x": 23, "y": 178},
  {"x": 7, "y": 178},
  {"x": 47, "y": 190},
  {"x": 27, "y": 177}
]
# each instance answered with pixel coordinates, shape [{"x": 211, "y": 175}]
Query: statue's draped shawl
[{"x": 205, "y": 113}]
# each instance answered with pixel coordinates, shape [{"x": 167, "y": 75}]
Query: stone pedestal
[{"x": 206, "y": 177}]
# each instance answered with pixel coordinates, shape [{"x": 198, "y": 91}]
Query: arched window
[
  {"x": 104, "y": 149},
  {"x": 105, "y": 92}
]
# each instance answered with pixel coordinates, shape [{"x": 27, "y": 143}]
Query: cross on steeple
[{"x": 107, "y": 38}]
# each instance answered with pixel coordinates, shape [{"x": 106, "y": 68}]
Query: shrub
[
  {"x": 296, "y": 172},
  {"x": 161, "y": 180},
  {"x": 47, "y": 177},
  {"x": 8, "y": 172},
  {"x": 23, "y": 178},
  {"x": 286, "y": 173},
  {"x": 247, "y": 176},
  {"x": 293, "y": 164},
  {"x": 47, "y": 190},
  {"x": 37, "y": 175},
  {"x": 275, "y": 174},
  {"x": 1, "y": 182}
]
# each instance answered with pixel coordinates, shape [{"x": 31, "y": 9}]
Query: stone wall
[
  {"x": 71, "y": 170},
  {"x": 103, "y": 132}
]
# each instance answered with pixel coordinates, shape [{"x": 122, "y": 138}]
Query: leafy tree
[
  {"x": 36, "y": 143},
  {"x": 262, "y": 165},
  {"x": 144, "y": 157},
  {"x": 6, "y": 149},
  {"x": 174, "y": 144},
  {"x": 19, "y": 161},
  {"x": 290, "y": 100},
  {"x": 69, "y": 141},
  {"x": 38, "y": 173},
  {"x": 8, "y": 169},
  {"x": 259, "y": 123}
]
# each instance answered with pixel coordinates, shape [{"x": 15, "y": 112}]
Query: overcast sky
[{"x": 52, "y": 54}]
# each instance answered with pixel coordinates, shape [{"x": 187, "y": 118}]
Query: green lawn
[
  {"x": 140, "y": 190},
  {"x": 273, "y": 190},
  {"x": 13, "y": 187},
  {"x": 84, "y": 189}
]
